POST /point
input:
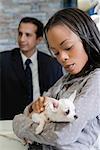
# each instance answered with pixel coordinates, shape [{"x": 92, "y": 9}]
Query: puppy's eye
[{"x": 67, "y": 112}]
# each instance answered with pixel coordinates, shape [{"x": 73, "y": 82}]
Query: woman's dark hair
[
  {"x": 82, "y": 25},
  {"x": 34, "y": 21}
]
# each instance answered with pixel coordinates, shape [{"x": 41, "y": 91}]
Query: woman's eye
[
  {"x": 56, "y": 53},
  {"x": 68, "y": 48}
]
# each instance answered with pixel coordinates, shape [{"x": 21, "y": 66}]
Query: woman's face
[{"x": 67, "y": 48}]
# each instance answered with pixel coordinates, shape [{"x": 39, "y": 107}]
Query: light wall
[{"x": 11, "y": 11}]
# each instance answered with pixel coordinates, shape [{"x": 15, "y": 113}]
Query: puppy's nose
[{"x": 75, "y": 116}]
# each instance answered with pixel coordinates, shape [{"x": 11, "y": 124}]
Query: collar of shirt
[{"x": 33, "y": 58}]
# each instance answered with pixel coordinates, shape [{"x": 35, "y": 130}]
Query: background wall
[{"x": 11, "y": 12}]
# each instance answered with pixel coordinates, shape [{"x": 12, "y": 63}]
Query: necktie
[{"x": 28, "y": 74}]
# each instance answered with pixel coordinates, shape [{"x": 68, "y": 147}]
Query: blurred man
[{"x": 44, "y": 69}]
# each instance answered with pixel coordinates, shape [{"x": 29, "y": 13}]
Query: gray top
[{"x": 78, "y": 135}]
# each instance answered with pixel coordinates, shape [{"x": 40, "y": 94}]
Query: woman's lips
[{"x": 69, "y": 67}]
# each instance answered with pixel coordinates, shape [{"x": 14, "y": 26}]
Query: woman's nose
[{"x": 64, "y": 57}]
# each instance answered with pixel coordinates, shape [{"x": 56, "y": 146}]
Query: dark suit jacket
[{"x": 13, "y": 84}]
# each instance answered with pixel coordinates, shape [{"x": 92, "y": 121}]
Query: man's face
[{"x": 27, "y": 38}]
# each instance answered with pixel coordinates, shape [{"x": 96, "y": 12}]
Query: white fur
[{"x": 64, "y": 112}]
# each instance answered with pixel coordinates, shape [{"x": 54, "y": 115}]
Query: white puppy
[{"x": 63, "y": 111}]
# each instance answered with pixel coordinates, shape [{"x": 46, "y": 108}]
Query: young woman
[{"x": 73, "y": 38}]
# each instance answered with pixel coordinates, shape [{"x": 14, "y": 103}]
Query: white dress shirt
[{"x": 34, "y": 68}]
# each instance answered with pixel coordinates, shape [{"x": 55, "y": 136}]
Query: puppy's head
[{"x": 65, "y": 109}]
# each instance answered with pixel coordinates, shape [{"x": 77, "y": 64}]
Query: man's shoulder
[
  {"x": 49, "y": 61},
  {"x": 6, "y": 56},
  {"x": 46, "y": 57},
  {"x": 8, "y": 52}
]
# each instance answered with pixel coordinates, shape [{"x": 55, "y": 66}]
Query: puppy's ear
[
  {"x": 72, "y": 96},
  {"x": 54, "y": 106}
]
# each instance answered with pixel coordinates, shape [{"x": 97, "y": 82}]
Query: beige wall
[{"x": 11, "y": 11}]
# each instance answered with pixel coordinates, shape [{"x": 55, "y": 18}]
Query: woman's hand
[{"x": 39, "y": 105}]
